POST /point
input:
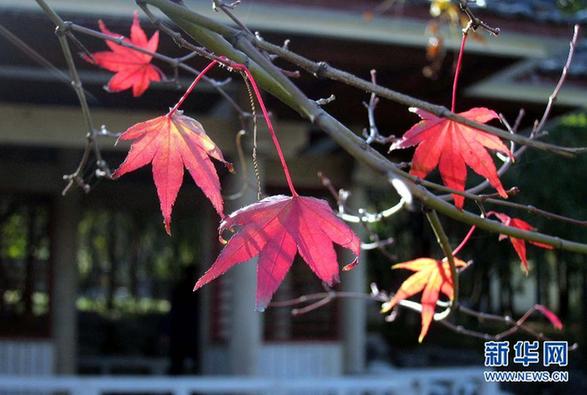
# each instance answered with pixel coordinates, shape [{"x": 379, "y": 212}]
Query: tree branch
[
  {"x": 272, "y": 79},
  {"x": 307, "y": 303},
  {"x": 76, "y": 176},
  {"x": 476, "y": 22},
  {"x": 184, "y": 17}
]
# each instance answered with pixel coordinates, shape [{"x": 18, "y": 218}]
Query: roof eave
[
  {"x": 295, "y": 20},
  {"x": 505, "y": 86}
]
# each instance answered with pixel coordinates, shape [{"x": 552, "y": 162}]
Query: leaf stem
[
  {"x": 243, "y": 68},
  {"x": 464, "y": 242},
  {"x": 249, "y": 75},
  {"x": 210, "y": 66},
  {"x": 458, "y": 69}
]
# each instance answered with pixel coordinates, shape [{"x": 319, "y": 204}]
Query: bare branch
[
  {"x": 326, "y": 100},
  {"x": 474, "y": 21},
  {"x": 552, "y": 98},
  {"x": 317, "y": 300},
  {"x": 324, "y": 70},
  {"x": 362, "y": 216},
  {"x": 90, "y": 146},
  {"x": 374, "y": 135}
]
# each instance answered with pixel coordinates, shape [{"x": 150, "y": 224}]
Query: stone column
[
  {"x": 246, "y": 323},
  {"x": 65, "y": 219},
  {"x": 354, "y": 313}
]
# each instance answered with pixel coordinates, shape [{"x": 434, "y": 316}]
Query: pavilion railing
[{"x": 462, "y": 381}]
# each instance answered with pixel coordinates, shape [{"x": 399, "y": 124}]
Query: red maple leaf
[
  {"x": 431, "y": 277},
  {"x": 171, "y": 142},
  {"x": 133, "y": 69},
  {"x": 452, "y": 146},
  {"x": 274, "y": 229},
  {"x": 518, "y": 244}
]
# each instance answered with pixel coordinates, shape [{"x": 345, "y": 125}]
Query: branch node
[
  {"x": 65, "y": 27},
  {"x": 443, "y": 112},
  {"x": 321, "y": 68},
  {"x": 474, "y": 22},
  {"x": 327, "y": 100}
]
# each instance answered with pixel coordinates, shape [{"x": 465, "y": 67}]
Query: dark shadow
[{"x": 183, "y": 324}]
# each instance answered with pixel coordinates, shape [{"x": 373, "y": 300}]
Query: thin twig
[
  {"x": 226, "y": 8},
  {"x": 76, "y": 176},
  {"x": 324, "y": 70},
  {"x": 363, "y": 215},
  {"x": 317, "y": 300},
  {"x": 552, "y": 98},
  {"x": 35, "y": 56},
  {"x": 373, "y": 135},
  {"x": 476, "y": 22},
  {"x": 504, "y": 203},
  {"x": 534, "y": 134}
]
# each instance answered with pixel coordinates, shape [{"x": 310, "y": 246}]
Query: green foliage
[
  {"x": 127, "y": 265},
  {"x": 572, "y": 6},
  {"x": 24, "y": 257},
  {"x": 554, "y": 183},
  {"x": 124, "y": 306},
  {"x": 14, "y": 237}
]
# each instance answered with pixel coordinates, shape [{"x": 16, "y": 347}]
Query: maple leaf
[
  {"x": 133, "y": 69},
  {"x": 452, "y": 147},
  {"x": 274, "y": 229},
  {"x": 431, "y": 277},
  {"x": 518, "y": 244},
  {"x": 171, "y": 142}
]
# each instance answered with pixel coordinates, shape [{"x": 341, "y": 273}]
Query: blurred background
[{"x": 91, "y": 285}]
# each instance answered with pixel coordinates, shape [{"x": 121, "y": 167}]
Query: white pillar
[
  {"x": 65, "y": 218},
  {"x": 354, "y": 313},
  {"x": 246, "y": 324},
  {"x": 209, "y": 224}
]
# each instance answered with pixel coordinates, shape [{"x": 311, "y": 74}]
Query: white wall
[
  {"x": 26, "y": 358},
  {"x": 284, "y": 360}
]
